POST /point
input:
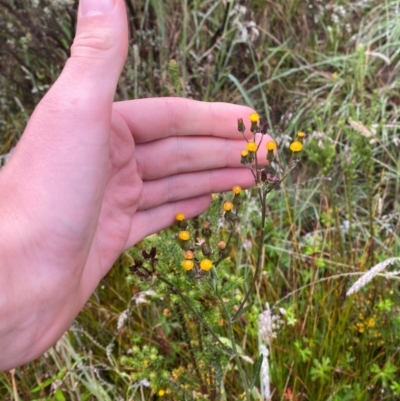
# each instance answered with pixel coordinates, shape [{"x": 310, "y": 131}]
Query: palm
[
  {"x": 161, "y": 166},
  {"x": 121, "y": 197}
]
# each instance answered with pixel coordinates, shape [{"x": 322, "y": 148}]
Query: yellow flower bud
[
  {"x": 236, "y": 189},
  {"x": 228, "y": 206},
  {"x": 296, "y": 146},
  {"x": 184, "y": 235},
  {"x": 251, "y": 146},
  {"x": 206, "y": 264},
  {"x": 180, "y": 216},
  {"x": 188, "y": 264},
  {"x": 254, "y": 117},
  {"x": 271, "y": 145}
]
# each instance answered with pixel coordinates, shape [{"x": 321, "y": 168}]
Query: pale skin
[{"x": 90, "y": 178}]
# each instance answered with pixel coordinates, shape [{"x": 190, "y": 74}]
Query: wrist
[{"x": 35, "y": 301}]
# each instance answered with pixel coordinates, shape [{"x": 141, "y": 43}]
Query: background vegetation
[{"x": 329, "y": 68}]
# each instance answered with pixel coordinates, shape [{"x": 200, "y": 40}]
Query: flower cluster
[
  {"x": 266, "y": 175},
  {"x": 269, "y": 324},
  {"x": 197, "y": 245},
  {"x": 188, "y": 246}
]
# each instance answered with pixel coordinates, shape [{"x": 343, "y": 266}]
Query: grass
[{"x": 327, "y": 68}]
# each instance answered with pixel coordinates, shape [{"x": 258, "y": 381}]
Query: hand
[{"x": 90, "y": 178}]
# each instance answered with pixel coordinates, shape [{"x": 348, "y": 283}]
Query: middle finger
[{"x": 177, "y": 155}]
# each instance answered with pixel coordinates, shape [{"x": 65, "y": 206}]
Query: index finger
[{"x": 157, "y": 118}]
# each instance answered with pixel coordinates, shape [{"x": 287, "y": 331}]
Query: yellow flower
[
  {"x": 206, "y": 264},
  {"x": 228, "y": 206},
  {"x": 184, "y": 235},
  {"x": 301, "y": 134},
  {"x": 296, "y": 146},
  {"x": 188, "y": 264},
  {"x": 161, "y": 393},
  {"x": 244, "y": 153},
  {"x": 180, "y": 216},
  {"x": 254, "y": 117},
  {"x": 360, "y": 327},
  {"x": 271, "y": 145},
  {"x": 251, "y": 146},
  {"x": 335, "y": 74},
  {"x": 236, "y": 189}
]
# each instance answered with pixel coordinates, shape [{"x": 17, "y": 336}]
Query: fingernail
[{"x": 96, "y": 7}]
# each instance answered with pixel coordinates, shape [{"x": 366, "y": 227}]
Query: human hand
[{"x": 90, "y": 178}]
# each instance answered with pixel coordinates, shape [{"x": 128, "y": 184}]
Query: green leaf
[
  {"x": 256, "y": 371},
  {"x": 239, "y": 350},
  {"x": 244, "y": 310},
  {"x": 42, "y": 386},
  {"x": 59, "y": 395},
  {"x": 241, "y": 90}
]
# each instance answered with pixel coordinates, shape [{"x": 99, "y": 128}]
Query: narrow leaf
[{"x": 256, "y": 371}]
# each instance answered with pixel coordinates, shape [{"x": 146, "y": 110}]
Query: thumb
[
  {"x": 78, "y": 106},
  {"x": 66, "y": 140},
  {"x": 90, "y": 76}
]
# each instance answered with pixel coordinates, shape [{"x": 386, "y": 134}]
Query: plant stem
[
  {"x": 263, "y": 197},
  {"x": 233, "y": 342}
]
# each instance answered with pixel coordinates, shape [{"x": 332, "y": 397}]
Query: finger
[
  {"x": 66, "y": 140},
  {"x": 177, "y": 155},
  {"x": 185, "y": 186},
  {"x": 72, "y": 121},
  {"x": 67, "y": 135},
  {"x": 180, "y": 117},
  {"x": 98, "y": 53},
  {"x": 151, "y": 221}
]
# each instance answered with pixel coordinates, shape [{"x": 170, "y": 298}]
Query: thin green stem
[
  {"x": 259, "y": 256},
  {"x": 242, "y": 374}
]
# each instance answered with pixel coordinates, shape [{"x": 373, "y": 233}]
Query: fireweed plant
[{"x": 187, "y": 275}]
